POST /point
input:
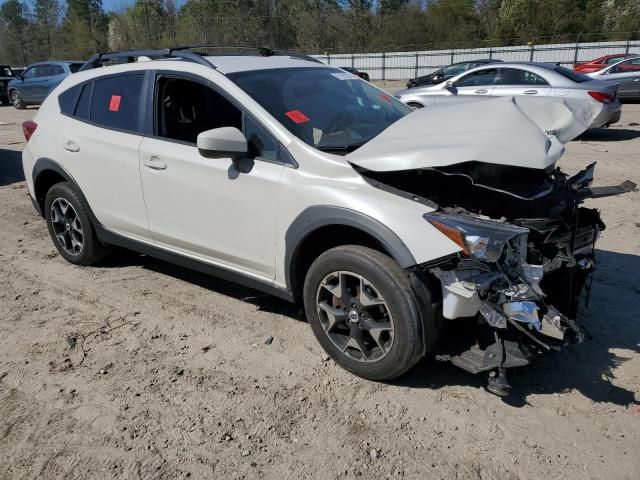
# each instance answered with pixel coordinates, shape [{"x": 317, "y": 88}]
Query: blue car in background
[{"x": 37, "y": 81}]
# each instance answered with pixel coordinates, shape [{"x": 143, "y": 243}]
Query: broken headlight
[{"x": 478, "y": 238}]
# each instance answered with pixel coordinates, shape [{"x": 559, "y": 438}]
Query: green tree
[
  {"x": 13, "y": 17},
  {"x": 47, "y": 17},
  {"x": 84, "y": 29}
]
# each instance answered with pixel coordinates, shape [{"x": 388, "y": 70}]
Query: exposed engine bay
[{"x": 527, "y": 254}]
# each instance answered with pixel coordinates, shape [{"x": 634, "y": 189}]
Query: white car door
[
  {"x": 101, "y": 140},
  {"x": 217, "y": 209}
]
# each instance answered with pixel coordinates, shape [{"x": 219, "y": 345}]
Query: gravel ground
[{"x": 139, "y": 369}]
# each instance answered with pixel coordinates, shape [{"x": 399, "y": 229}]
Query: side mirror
[
  {"x": 450, "y": 86},
  {"x": 222, "y": 142}
]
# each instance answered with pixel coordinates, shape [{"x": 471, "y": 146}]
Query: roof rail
[
  {"x": 248, "y": 50},
  {"x": 183, "y": 53},
  {"x": 130, "y": 56}
]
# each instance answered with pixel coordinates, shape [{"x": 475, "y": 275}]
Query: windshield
[
  {"x": 5, "y": 72},
  {"x": 74, "y": 67},
  {"x": 326, "y": 108},
  {"x": 571, "y": 75}
]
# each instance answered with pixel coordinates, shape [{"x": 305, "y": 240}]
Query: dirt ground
[{"x": 139, "y": 369}]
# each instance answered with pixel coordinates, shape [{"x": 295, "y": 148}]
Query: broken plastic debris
[
  {"x": 552, "y": 324},
  {"x": 523, "y": 312},
  {"x": 493, "y": 317}
]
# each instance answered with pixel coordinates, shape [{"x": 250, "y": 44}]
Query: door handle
[
  {"x": 636, "y": 79},
  {"x": 530, "y": 92},
  {"x": 71, "y": 146},
  {"x": 482, "y": 90},
  {"x": 154, "y": 163}
]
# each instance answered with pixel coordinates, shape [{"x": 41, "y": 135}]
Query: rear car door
[
  {"x": 101, "y": 141},
  {"x": 479, "y": 82},
  {"x": 519, "y": 81},
  {"x": 55, "y": 75},
  {"x": 219, "y": 210}
]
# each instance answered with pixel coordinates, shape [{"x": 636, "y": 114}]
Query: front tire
[
  {"x": 362, "y": 310},
  {"x": 70, "y": 226},
  {"x": 16, "y": 100}
]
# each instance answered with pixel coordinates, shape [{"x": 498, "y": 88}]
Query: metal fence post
[
  {"x": 490, "y": 53},
  {"x": 384, "y": 65},
  {"x": 626, "y": 50},
  {"x": 416, "y": 74},
  {"x": 533, "y": 49},
  {"x": 353, "y": 60},
  {"x": 452, "y": 54},
  {"x": 575, "y": 54}
]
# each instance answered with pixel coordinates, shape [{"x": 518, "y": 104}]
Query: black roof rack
[{"x": 184, "y": 53}]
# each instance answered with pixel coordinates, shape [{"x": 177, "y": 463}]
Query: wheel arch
[
  {"x": 320, "y": 228},
  {"x": 46, "y": 173}
]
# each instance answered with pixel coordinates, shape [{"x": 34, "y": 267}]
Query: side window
[
  {"x": 67, "y": 100},
  {"x": 516, "y": 76},
  {"x": 83, "y": 108},
  {"x": 42, "y": 70},
  {"x": 115, "y": 101},
  {"x": 478, "y": 78},
  {"x": 185, "y": 108},
  {"x": 261, "y": 143},
  {"x": 30, "y": 72},
  {"x": 56, "y": 70},
  {"x": 612, "y": 60}
]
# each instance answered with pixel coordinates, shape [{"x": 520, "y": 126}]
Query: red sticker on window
[
  {"x": 297, "y": 116},
  {"x": 385, "y": 97},
  {"x": 114, "y": 104}
]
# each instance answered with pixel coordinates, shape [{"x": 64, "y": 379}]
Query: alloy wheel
[
  {"x": 354, "y": 316},
  {"x": 67, "y": 226}
]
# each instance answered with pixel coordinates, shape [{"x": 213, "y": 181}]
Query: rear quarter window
[
  {"x": 68, "y": 99},
  {"x": 115, "y": 102}
]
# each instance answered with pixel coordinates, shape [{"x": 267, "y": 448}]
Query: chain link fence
[{"x": 403, "y": 65}]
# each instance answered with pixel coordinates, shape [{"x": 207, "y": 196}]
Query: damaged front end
[{"x": 527, "y": 252}]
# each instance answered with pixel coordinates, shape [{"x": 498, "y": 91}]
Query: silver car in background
[
  {"x": 521, "y": 79},
  {"x": 626, "y": 74}
]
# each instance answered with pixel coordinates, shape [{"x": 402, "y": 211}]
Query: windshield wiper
[{"x": 342, "y": 148}]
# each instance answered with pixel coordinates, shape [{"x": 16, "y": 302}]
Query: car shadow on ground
[
  {"x": 10, "y": 166},
  {"x": 590, "y": 368},
  {"x": 262, "y": 301},
  {"x": 609, "y": 135}
]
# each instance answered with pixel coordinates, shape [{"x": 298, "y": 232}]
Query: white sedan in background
[
  {"x": 626, "y": 74},
  {"x": 587, "y": 97}
]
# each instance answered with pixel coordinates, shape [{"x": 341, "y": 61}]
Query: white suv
[{"x": 301, "y": 180}]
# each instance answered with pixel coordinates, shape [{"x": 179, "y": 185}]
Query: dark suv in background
[
  {"x": 6, "y": 75},
  {"x": 446, "y": 73},
  {"x": 38, "y": 80}
]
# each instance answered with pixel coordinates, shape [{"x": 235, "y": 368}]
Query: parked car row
[
  {"x": 31, "y": 86},
  {"x": 620, "y": 69}
]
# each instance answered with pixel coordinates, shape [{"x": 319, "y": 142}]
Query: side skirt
[{"x": 111, "y": 238}]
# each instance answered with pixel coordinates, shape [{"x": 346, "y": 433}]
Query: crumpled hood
[{"x": 523, "y": 132}]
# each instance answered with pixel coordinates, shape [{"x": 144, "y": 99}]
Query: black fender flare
[
  {"x": 46, "y": 164},
  {"x": 318, "y": 216}
]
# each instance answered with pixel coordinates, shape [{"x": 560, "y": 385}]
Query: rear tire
[
  {"x": 362, "y": 310},
  {"x": 16, "y": 100},
  {"x": 70, "y": 227}
]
